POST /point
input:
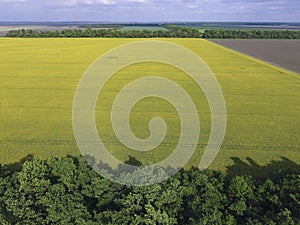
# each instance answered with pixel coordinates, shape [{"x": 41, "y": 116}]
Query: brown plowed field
[{"x": 283, "y": 53}]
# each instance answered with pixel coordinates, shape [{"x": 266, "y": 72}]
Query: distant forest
[
  {"x": 171, "y": 32},
  {"x": 251, "y": 34},
  {"x": 68, "y": 191}
]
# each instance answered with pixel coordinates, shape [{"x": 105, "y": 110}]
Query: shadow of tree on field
[
  {"x": 133, "y": 161},
  {"x": 17, "y": 166},
  {"x": 239, "y": 168},
  {"x": 250, "y": 167},
  {"x": 106, "y": 167}
]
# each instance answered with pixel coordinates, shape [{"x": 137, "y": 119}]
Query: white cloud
[
  {"x": 151, "y": 10},
  {"x": 96, "y": 2},
  {"x": 110, "y": 2}
]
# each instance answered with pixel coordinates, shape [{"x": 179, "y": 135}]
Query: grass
[{"x": 38, "y": 80}]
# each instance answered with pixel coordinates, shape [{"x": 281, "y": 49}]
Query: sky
[{"x": 151, "y": 10}]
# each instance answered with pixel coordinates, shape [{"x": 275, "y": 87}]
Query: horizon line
[{"x": 121, "y": 22}]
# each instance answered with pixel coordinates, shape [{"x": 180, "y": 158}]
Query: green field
[{"x": 38, "y": 80}]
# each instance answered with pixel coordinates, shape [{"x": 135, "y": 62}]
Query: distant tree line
[
  {"x": 101, "y": 26},
  {"x": 251, "y": 34},
  {"x": 172, "y": 32},
  {"x": 122, "y": 25},
  {"x": 68, "y": 191}
]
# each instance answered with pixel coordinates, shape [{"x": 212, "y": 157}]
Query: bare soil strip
[{"x": 283, "y": 53}]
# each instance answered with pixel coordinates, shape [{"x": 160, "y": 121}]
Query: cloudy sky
[{"x": 150, "y": 10}]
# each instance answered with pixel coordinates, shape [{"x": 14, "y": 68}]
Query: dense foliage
[
  {"x": 67, "y": 191},
  {"x": 172, "y": 32},
  {"x": 252, "y": 34}
]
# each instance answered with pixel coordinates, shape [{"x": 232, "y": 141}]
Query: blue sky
[{"x": 150, "y": 10}]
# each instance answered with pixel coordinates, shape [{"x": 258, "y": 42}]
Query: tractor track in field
[{"x": 224, "y": 146}]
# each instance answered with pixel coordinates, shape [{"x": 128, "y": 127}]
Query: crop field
[
  {"x": 39, "y": 77},
  {"x": 283, "y": 53}
]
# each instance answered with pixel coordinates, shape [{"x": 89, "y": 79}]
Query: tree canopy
[
  {"x": 68, "y": 191},
  {"x": 171, "y": 32},
  {"x": 251, "y": 34}
]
